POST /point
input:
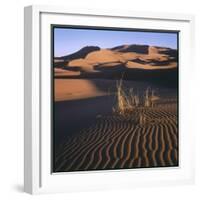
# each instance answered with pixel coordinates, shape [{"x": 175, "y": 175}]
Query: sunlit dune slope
[{"x": 91, "y": 59}]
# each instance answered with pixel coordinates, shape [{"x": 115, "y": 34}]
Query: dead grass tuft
[{"x": 130, "y": 101}]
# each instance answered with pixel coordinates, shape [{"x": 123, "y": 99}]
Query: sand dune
[
  {"x": 115, "y": 142},
  {"x": 143, "y": 57},
  {"x": 140, "y": 49},
  {"x": 82, "y": 53},
  {"x": 71, "y": 89},
  {"x": 61, "y": 72},
  {"x": 82, "y": 64},
  {"x": 104, "y": 56},
  {"x": 135, "y": 65}
]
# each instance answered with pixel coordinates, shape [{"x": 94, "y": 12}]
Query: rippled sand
[{"x": 116, "y": 142}]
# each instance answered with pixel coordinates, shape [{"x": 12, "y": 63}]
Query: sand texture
[{"x": 115, "y": 142}]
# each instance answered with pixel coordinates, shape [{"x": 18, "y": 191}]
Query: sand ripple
[{"x": 115, "y": 142}]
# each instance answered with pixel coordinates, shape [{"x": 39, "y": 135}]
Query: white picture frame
[{"x": 37, "y": 137}]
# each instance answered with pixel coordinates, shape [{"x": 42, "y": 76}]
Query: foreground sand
[
  {"x": 71, "y": 89},
  {"x": 115, "y": 142},
  {"x": 76, "y": 89}
]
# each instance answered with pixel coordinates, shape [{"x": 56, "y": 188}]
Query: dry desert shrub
[
  {"x": 150, "y": 98},
  {"x": 126, "y": 101},
  {"x": 129, "y": 101}
]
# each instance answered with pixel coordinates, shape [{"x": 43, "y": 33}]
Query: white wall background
[{"x": 11, "y": 99}]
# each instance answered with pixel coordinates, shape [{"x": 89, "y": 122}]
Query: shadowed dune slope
[
  {"x": 82, "y": 53},
  {"x": 141, "y": 49}
]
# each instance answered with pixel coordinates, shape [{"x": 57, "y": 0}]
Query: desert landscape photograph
[{"x": 114, "y": 98}]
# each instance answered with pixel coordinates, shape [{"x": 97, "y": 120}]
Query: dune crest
[{"x": 104, "y": 56}]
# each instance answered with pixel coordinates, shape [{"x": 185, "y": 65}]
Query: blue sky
[{"x": 68, "y": 40}]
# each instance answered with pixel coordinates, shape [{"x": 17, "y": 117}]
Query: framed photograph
[{"x": 105, "y": 99}]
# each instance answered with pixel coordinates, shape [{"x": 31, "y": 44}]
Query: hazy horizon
[{"x": 70, "y": 40}]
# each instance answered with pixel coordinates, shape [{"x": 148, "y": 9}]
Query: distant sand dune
[
  {"x": 58, "y": 72},
  {"x": 115, "y": 142},
  {"x": 88, "y": 59},
  {"x": 136, "y": 65}
]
